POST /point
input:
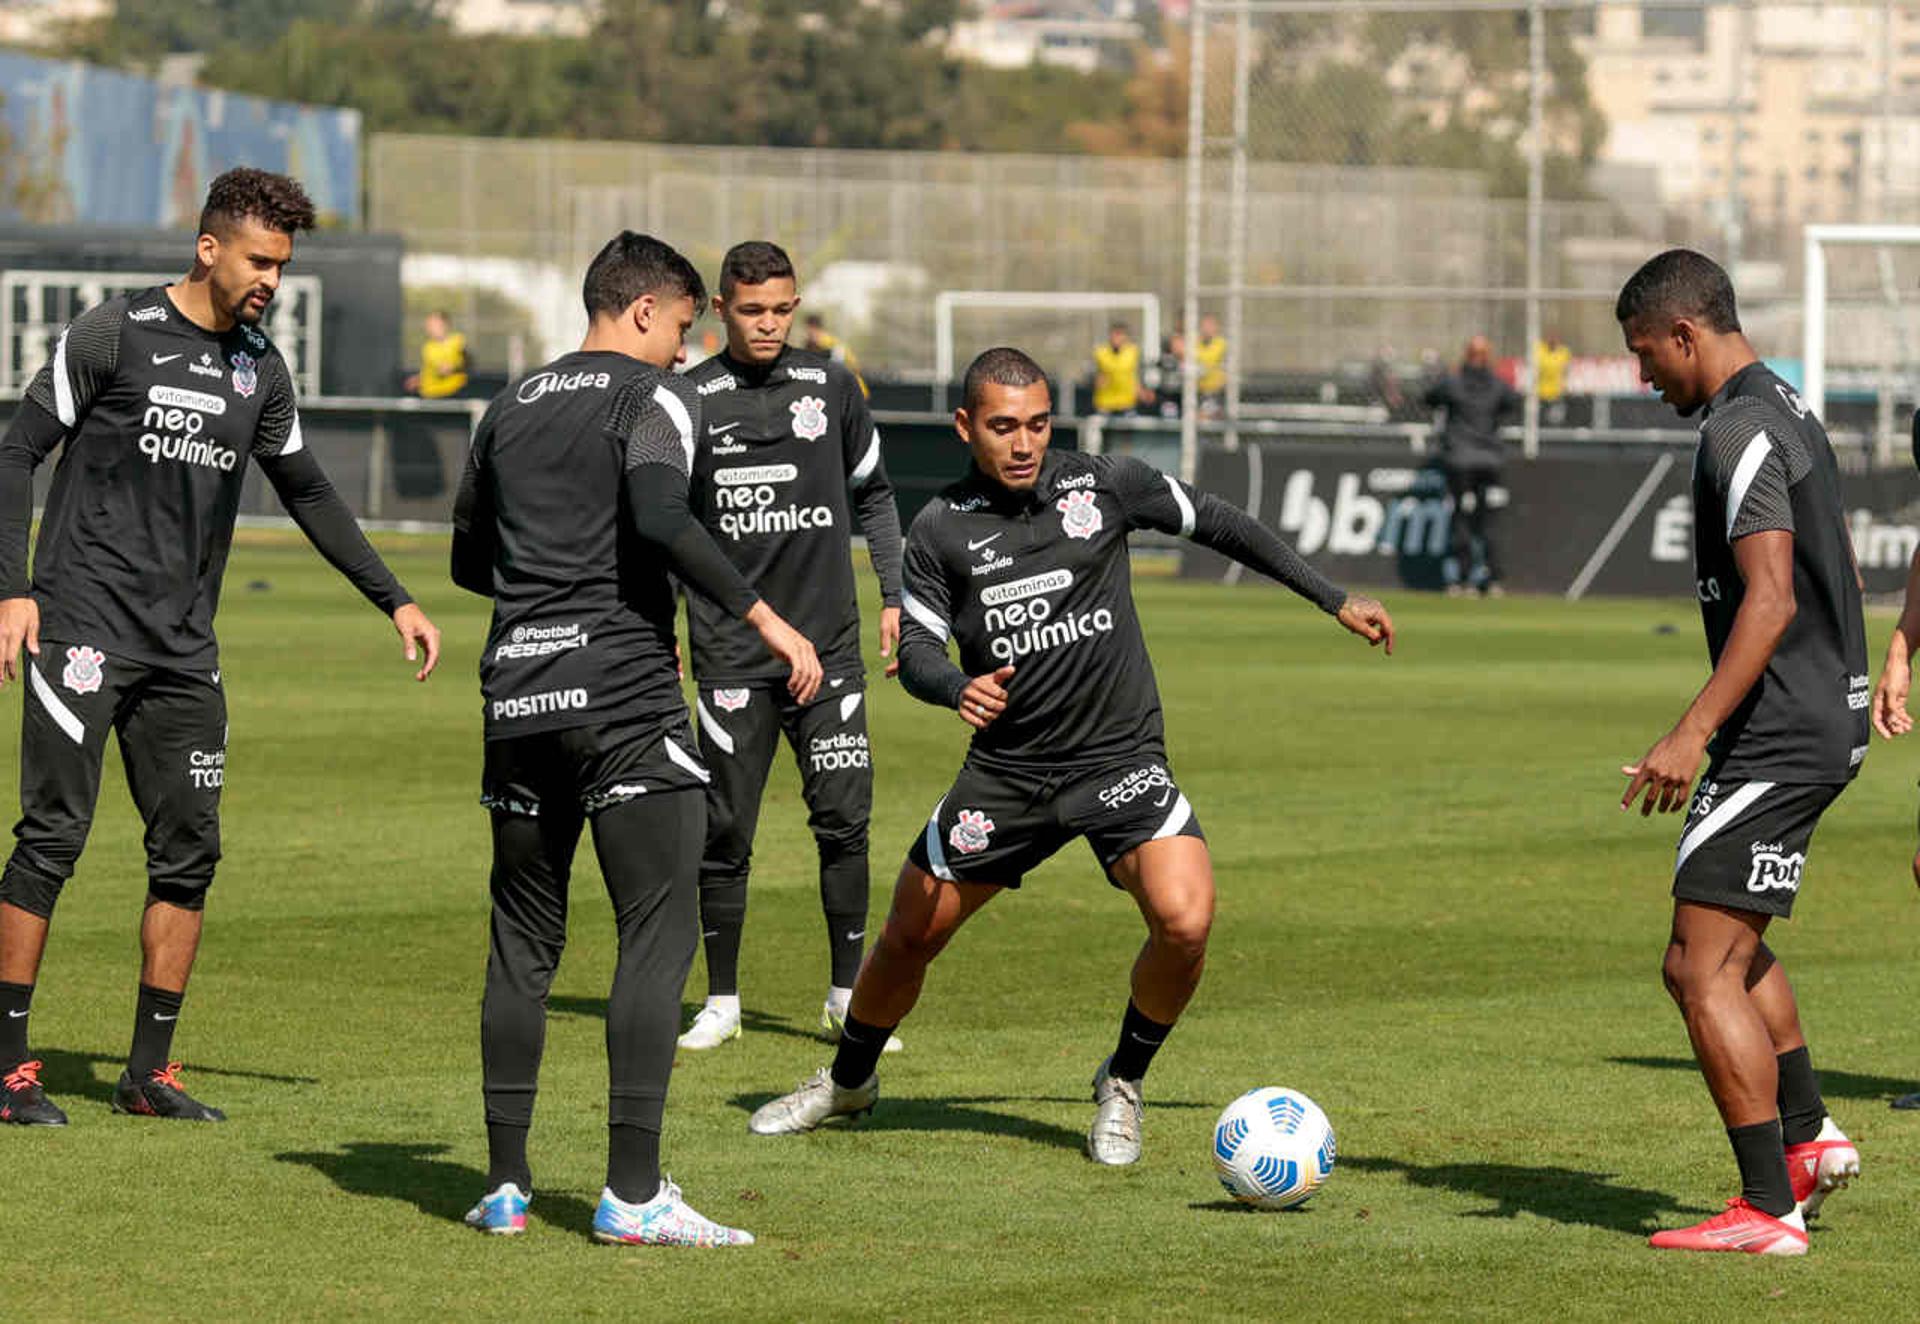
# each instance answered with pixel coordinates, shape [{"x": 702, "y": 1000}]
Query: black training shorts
[
  {"x": 1745, "y": 843},
  {"x": 994, "y": 825}
]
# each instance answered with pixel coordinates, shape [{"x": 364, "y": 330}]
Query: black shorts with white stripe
[
  {"x": 1745, "y": 843},
  {"x": 584, "y": 769},
  {"x": 995, "y": 825},
  {"x": 172, "y": 726}
]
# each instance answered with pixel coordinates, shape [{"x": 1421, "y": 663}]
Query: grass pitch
[{"x": 1433, "y": 918}]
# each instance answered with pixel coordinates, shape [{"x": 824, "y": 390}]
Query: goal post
[
  {"x": 948, "y": 302},
  {"x": 1819, "y": 240}
]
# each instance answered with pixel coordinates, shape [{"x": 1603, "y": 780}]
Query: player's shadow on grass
[
  {"x": 1563, "y": 1195},
  {"x": 968, "y": 1113},
  {"x": 68, "y": 1073},
  {"x": 1833, "y": 1084},
  {"x": 751, "y": 1022},
  {"x": 414, "y": 1172}
]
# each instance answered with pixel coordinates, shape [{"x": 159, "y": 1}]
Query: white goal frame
[
  {"x": 945, "y": 302},
  {"x": 1813, "y": 320}
]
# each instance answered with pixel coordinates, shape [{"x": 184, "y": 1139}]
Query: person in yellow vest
[
  {"x": 819, "y": 338},
  {"x": 1116, "y": 372},
  {"x": 1210, "y": 360},
  {"x": 1550, "y": 360},
  {"x": 443, "y": 361}
]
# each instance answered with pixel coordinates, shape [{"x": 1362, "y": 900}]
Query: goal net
[{"x": 1861, "y": 330}]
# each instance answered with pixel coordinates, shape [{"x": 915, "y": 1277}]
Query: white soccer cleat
[
  {"x": 711, "y": 1028},
  {"x": 665, "y": 1220},
  {"x": 1114, "y": 1137},
  {"x": 812, "y": 1102},
  {"x": 1821, "y": 1166},
  {"x": 833, "y": 1020}
]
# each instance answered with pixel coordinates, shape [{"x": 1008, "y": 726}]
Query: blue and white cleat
[
  {"x": 501, "y": 1213},
  {"x": 665, "y": 1220}
]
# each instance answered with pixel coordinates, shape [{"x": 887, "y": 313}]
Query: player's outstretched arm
[
  {"x": 29, "y": 439},
  {"x": 1889, "y": 707},
  {"x": 873, "y": 505},
  {"x": 1154, "y": 500}
]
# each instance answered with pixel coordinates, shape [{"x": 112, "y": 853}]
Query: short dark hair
[
  {"x": 632, "y": 265},
  {"x": 244, "y": 193},
  {"x": 753, "y": 263},
  {"x": 1679, "y": 283},
  {"x": 1000, "y": 366}
]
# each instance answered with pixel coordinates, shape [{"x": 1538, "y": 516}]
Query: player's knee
[
  {"x": 186, "y": 893},
  {"x": 840, "y": 841},
  {"x": 915, "y": 942},
  {"x": 1185, "y": 934},
  {"x": 1688, "y": 978},
  {"x": 31, "y": 888}
]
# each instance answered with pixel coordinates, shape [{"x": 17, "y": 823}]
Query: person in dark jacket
[{"x": 1477, "y": 404}]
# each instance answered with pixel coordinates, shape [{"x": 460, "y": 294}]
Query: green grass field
[{"x": 1433, "y": 918}]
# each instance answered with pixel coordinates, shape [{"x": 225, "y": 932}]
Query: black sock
[
  {"x": 1762, "y": 1157},
  {"x": 860, "y": 1048},
  {"x": 723, "y": 916},
  {"x": 1140, "y": 1039},
  {"x": 633, "y": 1163},
  {"x": 843, "y": 900},
  {"x": 16, "y": 1000},
  {"x": 1801, "y": 1109},
  {"x": 507, "y": 1157},
  {"x": 155, "y": 1015}
]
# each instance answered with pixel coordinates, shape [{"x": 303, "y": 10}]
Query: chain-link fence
[{"x": 1597, "y": 134}]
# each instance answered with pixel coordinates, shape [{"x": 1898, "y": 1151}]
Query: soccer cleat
[
  {"x": 24, "y": 1103},
  {"x": 1114, "y": 1137},
  {"x": 833, "y": 1021},
  {"x": 502, "y": 1212},
  {"x": 1740, "y": 1227},
  {"x": 1907, "y": 1102},
  {"x": 712, "y": 1027},
  {"x": 812, "y": 1102},
  {"x": 1820, "y": 1167},
  {"x": 160, "y": 1095},
  {"x": 665, "y": 1220}
]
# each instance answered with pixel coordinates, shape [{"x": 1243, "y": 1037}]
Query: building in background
[
  {"x": 1076, "y": 34},
  {"x": 526, "y": 18},
  {"x": 1776, "y": 113}
]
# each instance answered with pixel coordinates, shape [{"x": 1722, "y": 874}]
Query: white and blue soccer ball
[{"x": 1273, "y": 1148}]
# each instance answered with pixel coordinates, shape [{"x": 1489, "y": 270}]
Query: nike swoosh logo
[
  {"x": 1161, "y": 803},
  {"x": 216, "y": 678},
  {"x": 158, "y": 1017},
  {"x": 976, "y": 546},
  {"x": 836, "y": 684},
  {"x": 720, "y": 430},
  {"x": 159, "y": 359},
  {"x": 855, "y": 934},
  {"x": 15, "y": 1015}
]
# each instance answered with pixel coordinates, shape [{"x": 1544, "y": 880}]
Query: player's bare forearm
[
  {"x": 1767, "y": 608},
  {"x": 1888, "y": 707}
]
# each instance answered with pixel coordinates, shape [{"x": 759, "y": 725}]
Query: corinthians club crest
[
  {"x": 82, "y": 674},
  {"x": 731, "y": 701},
  {"x": 970, "y": 835},
  {"x": 1079, "y": 514},
  {"x": 809, "y": 417},
  {"x": 245, "y": 378}
]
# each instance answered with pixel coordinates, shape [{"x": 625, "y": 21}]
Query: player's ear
[
  {"x": 642, "y": 311},
  {"x": 206, "y": 250},
  {"x": 963, "y": 424}
]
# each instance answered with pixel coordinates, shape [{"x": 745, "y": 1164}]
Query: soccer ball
[{"x": 1272, "y": 1148}]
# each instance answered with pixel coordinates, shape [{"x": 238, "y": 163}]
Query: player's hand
[
  {"x": 679, "y": 665},
  {"x": 419, "y": 634},
  {"x": 1368, "y": 619},
  {"x": 1889, "y": 706},
  {"x": 890, "y": 638},
  {"x": 1666, "y": 773},
  {"x": 792, "y": 648},
  {"x": 19, "y": 624},
  {"x": 985, "y": 698}
]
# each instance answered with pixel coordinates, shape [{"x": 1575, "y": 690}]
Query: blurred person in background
[
  {"x": 1168, "y": 370},
  {"x": 1116, "y": 372},
  {"x": 443, "y": 361},
  {"x": 1210, "y": 357},
  {"x": 1550, "y": 359},
  {"x": 1476, "y": 403},
  {"x": 825, "y": 342}
]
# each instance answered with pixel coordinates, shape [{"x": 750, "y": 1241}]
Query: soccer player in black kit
[
  {"x": 572, "y": 516},
  {"x": 1783, "y": 724},
  {"x": 787, "y": 441},
  {"x": 1023, "y": 563},
  {"x": 160, "y": 398}
]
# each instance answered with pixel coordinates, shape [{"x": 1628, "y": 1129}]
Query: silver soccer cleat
[
  {"x": 1114, "y": 1137},
  {"x": 812, "y": 1102}
]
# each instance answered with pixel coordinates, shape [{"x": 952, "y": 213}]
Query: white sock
[
  {"x": 727, "y": 1004},
  {"x": 839, "y": 999},
  {"x": 606, "y": 1193}
]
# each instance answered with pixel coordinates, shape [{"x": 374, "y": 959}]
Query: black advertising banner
[{"x": 1605, "y": 521}]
